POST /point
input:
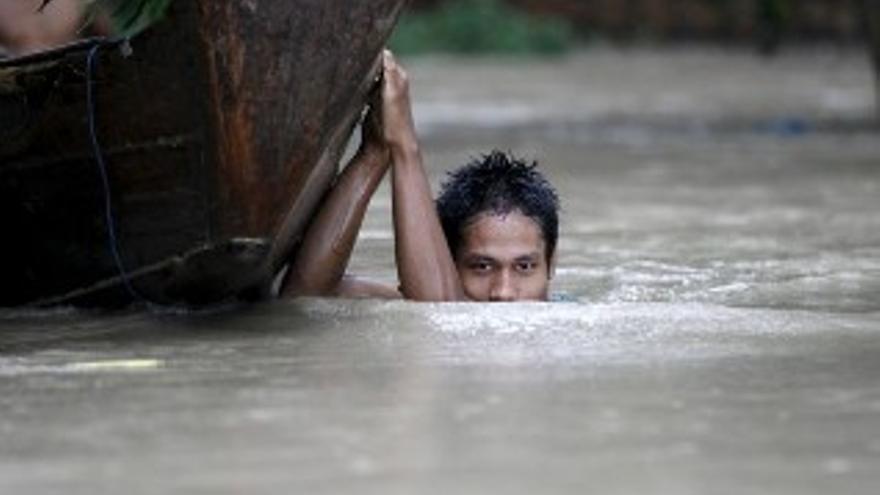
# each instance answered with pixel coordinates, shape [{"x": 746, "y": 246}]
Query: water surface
[{"x": 725, "y": 339}]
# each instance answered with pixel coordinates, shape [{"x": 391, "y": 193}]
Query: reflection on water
[
  {"x": 789, "y": 224},
  {"x": 378, "y": 397}
]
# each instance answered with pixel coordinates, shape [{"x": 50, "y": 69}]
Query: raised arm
[
  {"x": 424, "y": 264},
  {"x": 318, "y": 268}
]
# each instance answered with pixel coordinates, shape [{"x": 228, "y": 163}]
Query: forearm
[
  {"x": 425, "y": 266},
  {"x": 323, "y": 256}
]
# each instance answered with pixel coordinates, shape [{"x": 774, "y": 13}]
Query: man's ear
[{"x": 552, "y": 267}]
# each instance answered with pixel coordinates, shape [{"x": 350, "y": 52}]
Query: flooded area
[{"x": 720, "y": 235}]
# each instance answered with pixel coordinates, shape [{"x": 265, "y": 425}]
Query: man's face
[{"x": 502, "y": 258}]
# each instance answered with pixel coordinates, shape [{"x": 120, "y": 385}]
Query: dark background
[{"x": 721, "y": 20}]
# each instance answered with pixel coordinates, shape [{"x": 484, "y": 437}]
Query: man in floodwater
[{"x": 490, "y": 237}]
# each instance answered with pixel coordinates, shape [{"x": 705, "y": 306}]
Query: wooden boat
[{"x": 220, "y": 131}]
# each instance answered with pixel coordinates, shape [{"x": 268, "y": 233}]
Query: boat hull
[{"x": 220, "y": 132}]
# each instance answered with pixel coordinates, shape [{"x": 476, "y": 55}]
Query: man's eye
[
  {"x": 481, "y": 266},
  {"x": 526, "y": 266}
]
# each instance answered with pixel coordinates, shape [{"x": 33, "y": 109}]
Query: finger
[
  {"x": 390, "y": 62},
  {"x": 378, "y": 69}
]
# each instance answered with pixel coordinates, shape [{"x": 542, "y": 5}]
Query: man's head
[{"x": 500, "y": 217}]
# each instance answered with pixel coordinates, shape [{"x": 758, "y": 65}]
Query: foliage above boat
[{"x": 127, "y": 17}]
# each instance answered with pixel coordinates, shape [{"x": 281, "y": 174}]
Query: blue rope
[{"x": 112, "y": 238}]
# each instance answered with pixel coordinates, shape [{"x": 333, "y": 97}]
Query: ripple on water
[
  {"x": 517, "y": 333},
  {"x": 824, "y": 282}
]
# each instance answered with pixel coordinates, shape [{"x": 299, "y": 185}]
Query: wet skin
[
  {"x": 502, "y": 258},
  {"x": 425, "y": 266}
]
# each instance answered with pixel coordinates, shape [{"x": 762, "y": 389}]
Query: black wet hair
[{"x": 497, "y": 183}]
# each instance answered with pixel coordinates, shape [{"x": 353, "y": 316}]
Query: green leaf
[{"x": 128, "y": 17}]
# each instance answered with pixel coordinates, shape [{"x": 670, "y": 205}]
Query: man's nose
[{"x": 503, "y": 288}]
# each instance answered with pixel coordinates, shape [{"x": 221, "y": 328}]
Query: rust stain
[{"x": 280, "y": 97}]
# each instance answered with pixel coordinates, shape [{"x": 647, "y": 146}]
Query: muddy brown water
[{"x": 725, "y": 339}]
